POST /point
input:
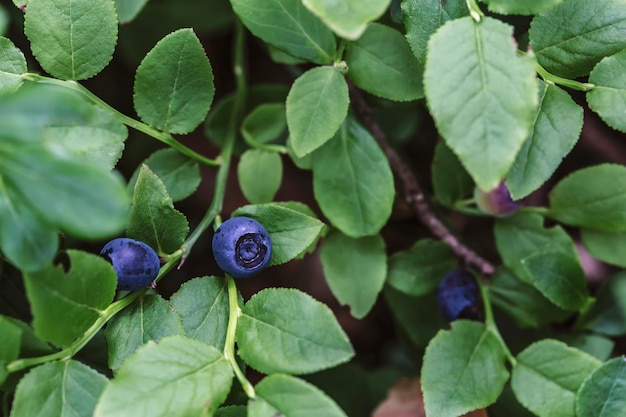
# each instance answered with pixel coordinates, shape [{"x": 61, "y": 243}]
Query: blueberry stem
[
  {"x": 491, "y": 325},
  {"x": 229, "y": 346},
  {"x": 128, "y": 121},
  {"x": 565, "y": 82}
]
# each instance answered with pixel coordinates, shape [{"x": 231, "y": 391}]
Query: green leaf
[
  {"x": 176, "y": 377},
  {"x": 30, "y": 345},
  {"x": 381, "y": 62},
  {"x": 63, "y": 388},
  {"x": 559, "y": 277},
  {"x": 63, "y": 39},
  {"x": 547, "y": 375},
  {"x": 127, "y": 10},
  {"x": 603, "y": 394},
  {"x": 26, "y": 241},
  {"x": 317, "y": 105},
  {"x": 348, "y": 18},
  {"x": 593, "y": 198},
  {"x": 596, "y": 345},
  {"x": 293, "y": 397},
  {"x": 150, "y": 318},
  {"x": 286, "y": 330},
  {"x": 406, "y": 308},
  {"x": 418, "y": 270},
  {"x": 99, "y": 141},
  {"x": 527, "y": 7},
  {"x": 12, "y": 66},
  {"x": 355, "y": 270},
  {"x": 606, "y": 246},
  {"x": 74, "y": 196},
  {"x": 260, "y": 174},
  {"x": 554, "y": 133},
  {"x": 174, "y": 84},
  {"x": 482, "y": 96},
  {"x": 202, "y": 304},
  {"x": 608, "y": 315},
  {"x": 292, "y": 231},
  {"x": 351, "y": 387},
  {"x": 180, "y": 174},
  {"x": 522, "y": 301},
  {"x": 153, "y": 218},
  {"x": 463, "y": 370},
  {"x": 10, "y": 348},
  {"x": 74, "y": 298},
  {"x": 422, "y": 18},
  {"x": 266, "y": 123},
  {"x": 353, "y": 182},
  {"x": 523, "y": 235},
  {"x": 571, "y": 38},
  {"x": 451, "y": 182},
  {"x": 608, "y": 96},
  {"x": 288, "y": 25}
]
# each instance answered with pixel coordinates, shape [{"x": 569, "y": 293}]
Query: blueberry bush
[{"x": 436, "y": 189}]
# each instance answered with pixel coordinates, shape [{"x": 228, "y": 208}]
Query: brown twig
[{"x": 413, "y": 194}]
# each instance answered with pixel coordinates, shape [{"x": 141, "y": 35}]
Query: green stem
[
  {"x": 555, "y": 79},
  {"x": 264, "y": 146},
  {"x": 490, "y": 323},
  {"x": 229, "y": 346},
  {"x": 227, "y": 150},
  {"x": 105, "y": 316},
  {"x": 128, "y": 121},
  {"x": 474, "y": 10}
]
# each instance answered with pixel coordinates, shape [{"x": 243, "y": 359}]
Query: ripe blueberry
[
  {"x": 242, "y": 247},
  {"x": 458, "y": 296},
  {"x": 136, "y": 264},
  {"x": 497, "y": 201}
]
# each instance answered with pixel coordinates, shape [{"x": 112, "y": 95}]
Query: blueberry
[
  {"x": 242, "y": 247},
  {"x": 497, "y": 201},
  {"x": 458, "y": 296},
  {"x": 136, "y": 264}
]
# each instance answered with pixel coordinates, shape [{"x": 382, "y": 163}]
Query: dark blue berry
[
  {"x": 136, "y": 264},
  {"x": 242, "y": 247},
  {"x": 497, "y": 201},
  {"x": 458, "y": 296}
]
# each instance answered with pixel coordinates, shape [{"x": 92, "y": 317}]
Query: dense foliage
[{"x": 382, "y": 145}]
